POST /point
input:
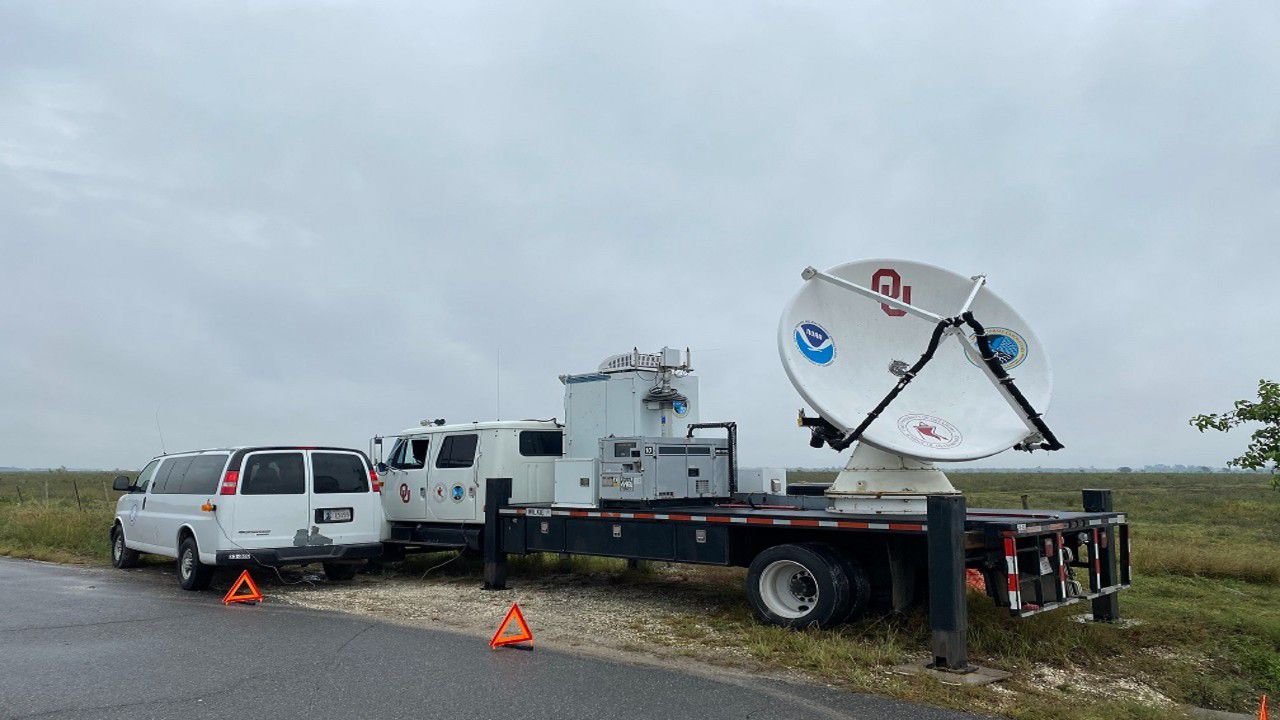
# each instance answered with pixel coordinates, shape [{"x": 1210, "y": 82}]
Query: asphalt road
[{"x": 103, "y": 643}]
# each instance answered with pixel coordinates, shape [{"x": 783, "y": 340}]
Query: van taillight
[
  {"x": 229, "y": 482},
  {"x": 374, "y": 481}
]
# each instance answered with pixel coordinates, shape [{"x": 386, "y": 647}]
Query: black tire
[
  {"x": 799, "y": 586},
  {"x": 192, "y": 574},
  {"x": 339, "y": 572},
  {"x": 859, "y": 588},
  {"x": 121, "y": 556}
]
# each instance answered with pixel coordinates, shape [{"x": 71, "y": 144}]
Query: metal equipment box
[
  {"x": 577, "y": 483},
  {"x": 663, "y": 468},
  {"x": 769, "y": 481}
]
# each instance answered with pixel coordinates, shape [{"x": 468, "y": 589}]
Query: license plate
[{"x": 334, "y": 515}]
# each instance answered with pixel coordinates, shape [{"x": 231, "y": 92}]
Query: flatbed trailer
[{"x": 1027, "y": 558}]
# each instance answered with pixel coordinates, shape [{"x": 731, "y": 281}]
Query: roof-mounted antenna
[{"x": 160, "y": 432}]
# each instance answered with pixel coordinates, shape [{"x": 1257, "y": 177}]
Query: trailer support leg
[
  {"x": 948, "y": 612},
  {"x": 1106, "y": 608},
  {"x": 497, "y": 495}
]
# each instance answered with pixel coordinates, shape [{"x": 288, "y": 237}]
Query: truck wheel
[
  {"x": 799, "y": 586},
  {"x": 192, "y": 574},
  {"x": 859, "y": 588},
  {"x": 337, "y": 572},
  {"x": 121, "y": 556}
]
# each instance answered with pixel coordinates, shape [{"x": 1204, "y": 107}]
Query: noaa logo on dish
[
  {"x": 930, "y": 431},
  {"x": 815, "y": 343},
  {"x": 1009, "y": 347}
]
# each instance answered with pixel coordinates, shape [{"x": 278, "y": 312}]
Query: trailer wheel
[{"x": 799, "y": 586}]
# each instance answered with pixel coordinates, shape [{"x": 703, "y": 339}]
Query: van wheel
[
  {"x": 121, "y": 556},
  {"x": 337, "y": 572},
  {"x": 192, "y": 574},
  {"x": 799, "y": 586}
]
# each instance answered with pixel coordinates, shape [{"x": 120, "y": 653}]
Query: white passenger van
[
  {"x": 435, "y": 476},
  {"x": 250, "y": 505}
]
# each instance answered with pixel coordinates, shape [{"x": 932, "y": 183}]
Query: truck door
[
  {"x": 271, "y": 508},
  {"x": 452, "y": 495},
  {"x": 344, "y": 507},
  {"x": 404, "y": 496}
]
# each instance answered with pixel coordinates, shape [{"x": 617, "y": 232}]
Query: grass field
[{"x": 1206, "y": 590}]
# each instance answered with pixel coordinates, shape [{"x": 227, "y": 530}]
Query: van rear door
[
  {"x": 344, "y": 507},
  {"x": 271, "y": 508}
]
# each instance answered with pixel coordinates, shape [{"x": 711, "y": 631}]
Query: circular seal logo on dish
[
  {"x": 815, "y": 343},
  {"x": 1010, "y": 348},
  {"x": 930, "y": 431}
]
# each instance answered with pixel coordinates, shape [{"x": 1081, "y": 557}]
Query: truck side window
[
  {"x": 144, "y": 477},
  {"x": 409, "y": 454},
  {"x": 457, "y": 451},
  {"x": 274, "y": 474},
  {"x": 542, "y": 443}
]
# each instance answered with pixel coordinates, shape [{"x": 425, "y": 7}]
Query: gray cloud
[{"x": 314, "y": 222}]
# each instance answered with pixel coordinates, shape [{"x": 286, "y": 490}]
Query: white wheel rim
[
  {"x": 788, "y": 589},
  {"x": 118, "y": 546},
  {"x": 187, "y": 562}
]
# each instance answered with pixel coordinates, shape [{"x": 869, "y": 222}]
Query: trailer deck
[{"x": 1026, "y": 557}]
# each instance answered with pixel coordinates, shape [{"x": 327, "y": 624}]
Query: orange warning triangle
[
  {"x": 1262, "y": 709},
  {"x": 513, "y": 629},
  {"x": 254, "y": 595}
]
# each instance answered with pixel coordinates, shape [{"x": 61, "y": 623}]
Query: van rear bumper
[{"x": 300, "y": 555}]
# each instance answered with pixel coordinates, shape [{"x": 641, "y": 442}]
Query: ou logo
[{"x": 888, "y": 282}]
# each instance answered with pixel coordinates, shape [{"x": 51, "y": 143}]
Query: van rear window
[
  {"x": 541, "y": 443},
  {"x": 203, "y": 475},
  {"x": 339, "y": 473},
  {"x": 273, "y": 474}
]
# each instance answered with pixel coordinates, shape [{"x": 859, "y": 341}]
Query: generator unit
[{"x": 660, "y": 468}]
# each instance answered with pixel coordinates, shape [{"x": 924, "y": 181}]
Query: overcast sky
[{"x": 315, "y": 222}]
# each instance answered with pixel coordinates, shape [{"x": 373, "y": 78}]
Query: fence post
[
  {"x": 948, "y": 612},
  {"x": 1106, "y": 608},
  {"x": 105, "y": 497},
  {"x": 46, "y": 492},
  {"x": 18, "y": 485},
  {"x": 76, "y": 488},
  {"x": 497, "y": 495}
]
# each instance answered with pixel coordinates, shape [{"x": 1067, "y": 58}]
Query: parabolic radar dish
[{"x": 845, "y": 350}]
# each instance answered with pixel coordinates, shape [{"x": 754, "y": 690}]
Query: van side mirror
[
  {"x": 381, "y": 468},
  {"x": 122, "y": 483}
]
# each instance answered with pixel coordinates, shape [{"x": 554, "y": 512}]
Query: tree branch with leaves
[{"x": 1263, "y": 452}]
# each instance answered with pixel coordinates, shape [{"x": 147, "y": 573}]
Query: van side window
[
  {"x": 144, "y": 477},
  {"x": 338, "y": 473},
  {"x": 175, "y": 468},
  {"x": 273, "y": 474},
  {"x": 203, "y": 475},
  {"x": 541, "y": 443},
  {"x": 409, "y": 454},
  {"x": 457, "y": 451}
]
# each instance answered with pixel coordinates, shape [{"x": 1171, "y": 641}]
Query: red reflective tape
[
  {"x": 759, "y": 521},
  {"x": 1013, "y": 583},
  {"x": 644, "y": 516},
  {"x": 579, "y": 513},
  {"x": 905, "y": 526},
  {"x": 685, "y": 518},
  {"x": 849, "y": 524},
  {"x": 805, "y": 523},
  {"x": 717, "y": 518}
]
